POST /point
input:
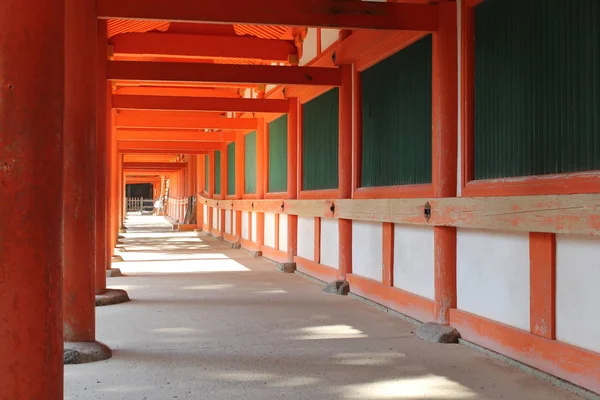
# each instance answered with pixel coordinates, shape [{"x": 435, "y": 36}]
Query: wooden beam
[
  {"x": 132, "y": 102},
  {"x": 569, "y": 214},
  {"x": 176, "y": 91},
  {"x": 177, "y": 136},
  {"x": 315, "y": 13},
  {"x": 179, "y": 119},
  {"x": 154, "y": 165},
  {"x": 160, "y": 152},
  {"x": 167, "y": 146},
  {"x": 190, "y": 72},
  {"x": 202, "y": 46}
]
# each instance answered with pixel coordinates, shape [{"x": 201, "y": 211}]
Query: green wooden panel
[
  {"x": 320, "y": 132},
  {"x": 396, "y": 116},
  {"x": 537, "y": 87},
  {"x": 231, "y": 168},
  {"x": 250, "y": 163},
  {"x": 206, "y": 173},
  {"x": 278, "y": 155},
  {"x": 217, "y": 172}
]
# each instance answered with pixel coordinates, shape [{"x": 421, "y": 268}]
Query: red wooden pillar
[
  {"x": 211, "y": 186},
  {"x": 444, "y": 154},
  {"x": 31, "y": 126},
  {"x": 345, "y": 168},
  {"x": 260, "y": 179},
  {"x": 79, "y": 183},
  {"x": 239, "y": 180},
  {"x": 223, "y": 187},
  {"x": 113, "y": 160},
  {"x": 292, "y": 177},
  {"x": 102, "y": 255},
  {"x": 199, "y": 189},
  {"x": 122, "y": 192}
]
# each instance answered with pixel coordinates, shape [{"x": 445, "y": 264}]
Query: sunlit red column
[{"x": 31, "y": 159}]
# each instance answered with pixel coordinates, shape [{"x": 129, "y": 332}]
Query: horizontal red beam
[
  {"x": 190, "y": 72},
  {"x": 179, "y": 119},
  {"x": 168, "y": 146},
  {"x": 175, "y": 91},
  {"x": 200, "y": 46},
  {"x": 133, "y": 102},
  {"x": 317, "y": 13},
  {"x": 179, "y": 135},
  {"x": 161, "y": 152},
  {"x": 154, "y": 165}
]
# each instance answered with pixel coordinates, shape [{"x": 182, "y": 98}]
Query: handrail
[{"x": 574, "y": 214}]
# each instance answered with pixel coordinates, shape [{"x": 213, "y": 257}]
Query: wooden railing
[
  {"x": 574, "y": 214},
  {"x": 139, "y": 204}
]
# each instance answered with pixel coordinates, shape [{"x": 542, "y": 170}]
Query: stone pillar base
[
  {"x": 437, "y": 333},
  {"x": 236, "y": 245},
  {"x": 111, "y": 296},
  {"x": 116, "y": 258},
  {"x": 85, "y": 352},
  {"x": 120, "y": 237},
  {"x": 113, "y": 273},
  {"x": 288, "y": 268},
  {"x": 122, "y": 230},
  {"x": 339, "y": 287}
]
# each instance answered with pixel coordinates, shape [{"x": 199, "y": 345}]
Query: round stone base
[
  {"x": 117, "y": 258},
  {"x": 85, "y": 352},
  {"x": 113, "y": 273},
  {"x": 111, "y": 296},
  {"x": 122, "y": 230}
]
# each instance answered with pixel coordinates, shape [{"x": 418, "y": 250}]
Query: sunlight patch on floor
[
  {"x": 367, "y": 359},
  {"x": 423, "y": 387},
  {"x": 181, "y": 266},
  {"x": 328, "y": 332}
]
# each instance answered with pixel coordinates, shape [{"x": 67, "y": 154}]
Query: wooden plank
[
  {"x": 195, "y": 103},
  {"x": 572, "y": 214},
  {"x": 315, "y": 13},
  {"x": 221, "y": 73}
]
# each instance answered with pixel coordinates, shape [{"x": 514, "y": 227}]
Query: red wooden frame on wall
[{"x": 568, "y": 183}]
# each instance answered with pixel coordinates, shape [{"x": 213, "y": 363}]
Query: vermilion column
[
  {"x": 102, "y": 255},
  {"x": 239, "y": 180},
  {"x": 224, "y": 177},
  {"x": 260, "y": 178},
  {"x": 445, "y": 114},
  {"x": 31, "y": 159},
  {"x": 292, "y": 177},
  {"x": 345, "y": 167},
  {"x": 79, "y": 184}
]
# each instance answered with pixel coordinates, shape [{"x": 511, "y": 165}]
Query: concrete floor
[{"x": 209, "y": 322}]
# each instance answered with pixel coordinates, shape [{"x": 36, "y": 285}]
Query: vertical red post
[
  {"x": 113, "y": 159},
  {"x": 345, "y": 168},
  {"x": 211, "y": 186},
  {"x": 31, "y": 160},
  {"x": 542, "y": 256},
  {"x": 224, "y": 173},
  {"x": 101, "y": 160},
  {"x": 388, "y": 254},
  {"x": 292, "y": 176},
  {"x": 79, "y": 183},
  {"x": 239, "y": 179},
  {"x": 444, "y": 154},
  {"x": 260, "y": 179}
]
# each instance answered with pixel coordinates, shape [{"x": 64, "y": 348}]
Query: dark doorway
[{"x": 137, "y": 190}]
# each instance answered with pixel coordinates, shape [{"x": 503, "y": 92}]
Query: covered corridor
[
  {"x": 437, "y": 158},
  {"x": 210, "y": 322}
]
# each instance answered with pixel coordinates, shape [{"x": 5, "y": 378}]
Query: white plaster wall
[
  {"x": 493, "y": 275},
  {"x": 328, "y": 37},
  {"x": 283, "y": 231},
  {"x": 330, "y": 242},
  {"x": 367, "y": 248},
  {"x": 228, "y": 221},
  {"x": 234, "y": 225},
  {"x": 270, "y": 230},
  {"x": 309, "y": 47},
  {"x": 205, "y": 215},
  {"x": 254, "y": 227},
  {"x": 577, "y": 294},
  {"x": 306, "y": 238},
  {"x": 413, "y": 259},
  {"x": 245, "y": 232},
  {"x": 215, "y": 218}
]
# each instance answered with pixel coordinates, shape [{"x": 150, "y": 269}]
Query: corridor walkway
[{"x": 210, "y": 322}]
